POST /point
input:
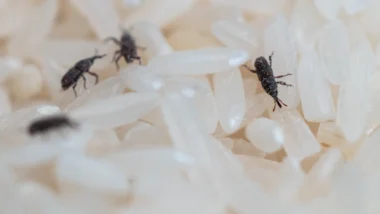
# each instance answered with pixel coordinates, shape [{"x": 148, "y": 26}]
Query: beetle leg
[
  {"x": 141, "y": 48},
  {"x": 282, "y": 102},
  {"x": 138, "y": 58},
  {"x": 253, "y": 71},
  {"x": 283, "y": 83},
  {"x": 113, "y": 39},
  {"x": 117, "y": 61},
  {"x": 270, "y": 59},
  {"x": 84, "y": 82},
  {"x": 274, "y": 107},
  {"x": 75, "y": 92},
  {"x": 281, "y": 76},
  {"x": 95, "y": 75},
  {"x": 116, "y": 54}
]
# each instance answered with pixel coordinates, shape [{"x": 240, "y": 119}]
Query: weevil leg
[
  {"x": 270, "y": 58},
  {"x": 84, "y": 82},
  {"x": 113, "y": 39},
  {"x": 280, "y": 101},
  {"x": 253, "y": 71},
  {"x": 285, "y": 75},
  {"x": 95, "y": 75},
  {"x": 116, "y": 54},
  {"x": 274, "y": 107},
  {"x": 141, "y": 48},
  {"x": 283, "y": 83},
  {"x": 117, "y": 61},
  {"x": 75, "y": 92},
  {"x": 138, "y": 58}
]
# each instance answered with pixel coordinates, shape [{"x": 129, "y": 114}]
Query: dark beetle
[
  {"x": 265, "y": 74},
  {"x": 49, "y": 123},
  {"x": 128, "y": 48},
  {"x": 77, "y": 71}
]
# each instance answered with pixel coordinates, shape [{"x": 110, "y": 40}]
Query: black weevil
[
  {"x": 128, "y": 48},
  {"x": 77, "y": 71},
  {"x": 49, "y": 123},
  {"x": 268, "y": 80}
]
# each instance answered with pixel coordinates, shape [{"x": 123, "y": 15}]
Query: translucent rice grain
[
  {"x": 142, "y": 79},
  {"x": 261, "y": 170},
  {"x": 147, "y": 136},
  {"x": 230, "y": 172},
  {"x": 254, "y": 103},
  {"x": 278, "y": 40},
  {"x": 235, "y": 34},
  {"x": 29, "y": 34},
  {"x": 353, "y": 7},
  {"x": 188, "y": 87},
  {"x": 154, "y": 117},
  {"x": 100, "y": 176},
  {"x": 152, "y": 11},
  {"x": 329, "y": 9},
  {"x": 370, "y": 17},
  {"x": 101, "y": 15},
  {"x": 30, "y": 155},
  {"x": 144, "y": 163},
  {"x": 319, "y": 177},
  {"x": 366, "y": 156},
  {"x": 204, "y": 100},
  {"x": 325, "y": 165},
  {"x": 182, "y": 120},
  {"x": 265, "y": 134},
  {"x": 116, "y": 110},
  {"x": 354, "y": 99},
  {"x": 305, "y": 23},
  {"x": 316, "y": 98},
  {"x": 9, "y": 66},
  {"x": 334, "y": 49},
  {"x": 201, "y": 17},
  {"x": 230, "y": 99},
  {"x": 348, "y": 200},
  {"x": 199, "y": 62},
  {"x": 27, "y": 83},
  {"x": 149, "y": 36},
  {"x": 299, "y": 140},
  {"x": 290, "y": 179},
  {"x": 106, "y": 88},
  {"x": 256, "y": 6}
]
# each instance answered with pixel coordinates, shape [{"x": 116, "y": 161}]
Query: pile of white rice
[{"x": 192, "y": 131}]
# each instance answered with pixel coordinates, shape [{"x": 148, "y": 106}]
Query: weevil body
[
  {"x": 264, "y": 72},
  {"x": 127, "y": 48},
  {"x": 83, "y": 66},
  {"x": 50, "y": 123}
]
